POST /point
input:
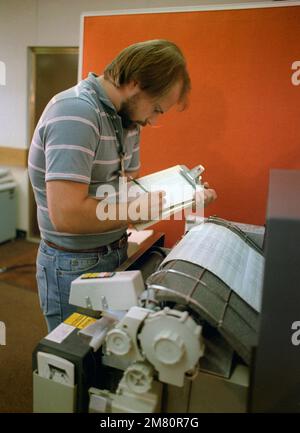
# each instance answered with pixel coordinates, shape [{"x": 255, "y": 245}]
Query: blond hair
[{"x": 156, "y": 65}]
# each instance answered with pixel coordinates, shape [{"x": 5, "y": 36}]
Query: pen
[{"x": 137, "y": 183}]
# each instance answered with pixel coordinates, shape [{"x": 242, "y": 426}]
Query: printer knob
[
  {"x": 118, "y": 342},
  {"x": 138, "y": 377},
  {"x": 168, "y": 347}
]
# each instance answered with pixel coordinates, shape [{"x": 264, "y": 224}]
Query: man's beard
[
  {"x": 126, "y": 111},
  {"x": 127, "y": 123}
]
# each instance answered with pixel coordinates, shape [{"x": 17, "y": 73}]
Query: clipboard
[{"x": 179, "y": 183}]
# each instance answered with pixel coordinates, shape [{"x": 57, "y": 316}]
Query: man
[{"x": 86, "y": 135}]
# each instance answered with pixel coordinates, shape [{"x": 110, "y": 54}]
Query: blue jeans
[{"x": 57, "y": 269}]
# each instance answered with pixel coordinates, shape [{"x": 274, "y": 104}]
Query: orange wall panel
[{"x": 244, "y": 111}]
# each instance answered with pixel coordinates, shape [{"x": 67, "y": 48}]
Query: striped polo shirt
[{"x": 79, "y": 138}]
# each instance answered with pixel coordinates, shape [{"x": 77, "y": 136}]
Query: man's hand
[
  {"x": 204, "y": 197},
  {"x": 210, "y": 194}
]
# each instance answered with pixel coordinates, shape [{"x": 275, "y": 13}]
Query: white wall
[{"x": 25, "y": 23}]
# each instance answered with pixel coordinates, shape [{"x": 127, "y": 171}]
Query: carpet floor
[{"x": 24, "y": 322}]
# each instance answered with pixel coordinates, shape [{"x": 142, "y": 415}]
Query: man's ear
[
  {"x": 133, "y": 87},
  {"x": 130, "y": 89}
]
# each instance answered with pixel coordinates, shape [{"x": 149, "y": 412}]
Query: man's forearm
[
  {"x": 72, "y": 210},
  {"x": 82, "y": 219}
]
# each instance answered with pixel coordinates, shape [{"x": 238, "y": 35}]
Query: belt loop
[{"x": 109, "y": 249}]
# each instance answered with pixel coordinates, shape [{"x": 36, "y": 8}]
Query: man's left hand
[{"x": 204, "y": 197}]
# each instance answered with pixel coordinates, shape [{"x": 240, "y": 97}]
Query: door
[{"x": 51, "y": 70}]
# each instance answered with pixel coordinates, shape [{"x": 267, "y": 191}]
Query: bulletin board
[{"x": 243, "y": 116}]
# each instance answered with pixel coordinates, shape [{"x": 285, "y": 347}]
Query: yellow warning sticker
[
  {"x": 80, "y": 321},
  {"x": 92, "y": 275}
]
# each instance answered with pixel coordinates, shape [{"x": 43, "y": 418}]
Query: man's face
[{"x": 141, "y": 109}]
